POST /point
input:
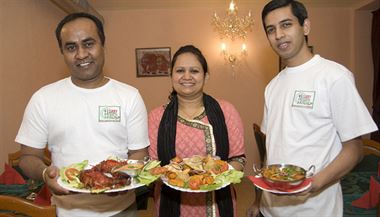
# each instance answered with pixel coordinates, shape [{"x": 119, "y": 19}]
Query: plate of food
[
  {"x": 111, "y": 175},
  {"x": 283, "y": 178},
  {"x": 261, "y": 184},
  {"x": 199, "y": 174}
]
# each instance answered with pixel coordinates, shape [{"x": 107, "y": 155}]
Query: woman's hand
[{"x": 236, "y": 165}]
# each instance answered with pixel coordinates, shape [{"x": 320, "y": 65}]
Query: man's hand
[
  {"x": 253, "y": 210},
  {"x": 50, "y": 176},
  {"x": 348, "y": 157},
  {"x": 139, "y": 154}
]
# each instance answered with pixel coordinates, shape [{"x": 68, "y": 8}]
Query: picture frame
[{"x": 153, "y": 62}]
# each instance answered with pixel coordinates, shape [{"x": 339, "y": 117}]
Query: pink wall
[
  {"x": 331, "y": 33},
  {"x": 30, "y": 58}
]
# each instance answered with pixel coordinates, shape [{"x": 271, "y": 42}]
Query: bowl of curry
[{"x": 285, "y": 176}]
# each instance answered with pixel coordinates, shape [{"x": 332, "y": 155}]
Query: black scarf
[{"x": 171, "y": 199}]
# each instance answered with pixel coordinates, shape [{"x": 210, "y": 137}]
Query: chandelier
[{"x": 233, "y": 26}]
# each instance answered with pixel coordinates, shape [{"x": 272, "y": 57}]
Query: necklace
[{"x": 191, "y": 115}]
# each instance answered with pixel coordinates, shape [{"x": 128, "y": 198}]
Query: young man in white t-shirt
[
  {"x": 313, "y": 115},
  {"x": 86, "y": 116}
]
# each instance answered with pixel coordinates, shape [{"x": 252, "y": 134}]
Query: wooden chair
[
  {"x": 15, "y": 206},
  {"x": 14, "y": 158},
  {"x": 260, "y": 141},
  {"x": 371, "y": 147}
]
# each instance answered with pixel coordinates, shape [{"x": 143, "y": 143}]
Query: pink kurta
[{"x": 194, "y": 138}]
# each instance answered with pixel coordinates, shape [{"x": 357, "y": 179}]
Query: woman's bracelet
[
  {"x": 241, "y": 160},
  {"x": 43, "y": 174}
]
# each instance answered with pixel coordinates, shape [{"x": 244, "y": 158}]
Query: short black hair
[
  {"x": 74, "y": 16},
  {"x": 298, "y": 9}
]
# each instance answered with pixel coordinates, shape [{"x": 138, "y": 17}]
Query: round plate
[
  {"x": 259, "y": 182},
  {"x": 190, "y": 190},
  {"x": 164, "y": 180},
  {"x": 83, "y": 190}
]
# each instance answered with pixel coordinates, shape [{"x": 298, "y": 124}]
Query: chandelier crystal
[{"x": 232, "y": 26}]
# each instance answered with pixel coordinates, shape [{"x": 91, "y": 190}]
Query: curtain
[{"x": 376, "y": 69}]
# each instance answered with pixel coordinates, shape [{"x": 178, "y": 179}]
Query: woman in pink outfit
[{"x": 194, "y": 123}]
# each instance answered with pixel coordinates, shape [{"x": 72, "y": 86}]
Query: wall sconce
[
  {"x": 233, "y": 57},
  {"x": 233, "y": 27}
]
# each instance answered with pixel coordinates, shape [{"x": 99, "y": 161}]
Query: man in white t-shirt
[
  {"x": 86, "y": 116},
  {"x": 313, "y": 115}
]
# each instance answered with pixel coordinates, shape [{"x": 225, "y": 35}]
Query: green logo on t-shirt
[
  {"x": 109, "y": 114},
  {"x": 303, "y": 99}
]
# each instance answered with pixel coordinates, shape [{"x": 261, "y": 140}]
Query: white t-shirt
[
  {"x": 309, "y": 111},
  {"x": 86, "y": 124}
]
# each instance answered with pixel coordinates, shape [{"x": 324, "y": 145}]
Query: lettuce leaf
[
  {"x": 76, "y": 183},
  {"x": 144, "y": 176},
  {"x": 211, "y": 187},
  {"x": 230, "y": 176},
  {"x": 151, "y": 164}
]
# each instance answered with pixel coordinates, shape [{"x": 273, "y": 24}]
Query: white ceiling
[{"x": 151, "y": 4}]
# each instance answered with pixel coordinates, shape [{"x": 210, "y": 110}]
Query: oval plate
[
  {"x": 134, "y": 184},
  {"x": 85, "y": 190}
]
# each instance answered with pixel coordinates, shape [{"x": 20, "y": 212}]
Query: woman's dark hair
[
  {"x": 190, "y": 49},
  {"x": 298, "y": 9},
  {"x": 74, "y": 16}
]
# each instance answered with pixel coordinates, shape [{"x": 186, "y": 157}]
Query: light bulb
[
  {"x": 232, "y": 6},
  {"x": 223, "y": 47},
  {"x": 244, "y": 47}
]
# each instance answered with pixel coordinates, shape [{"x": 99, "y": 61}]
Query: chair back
[
  {"x": 12, "y": 205},
  {"x": 371, "y": 147},
  {"x": 260, "y": 141},
  {"x": 14, "y": 158}
]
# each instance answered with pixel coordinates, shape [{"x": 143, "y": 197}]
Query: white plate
[
  {"x": 83, "y": 190},
  {"x": 134, "y": 183},
  {"x": 164, "y": 180},
  {"x": 190, "y": 190}
]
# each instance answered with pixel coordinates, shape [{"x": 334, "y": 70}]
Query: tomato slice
[
  {"x": 71, "y": 173},
  {"x": 194, "y": 184},
  {"x": 219, "y": 167}
]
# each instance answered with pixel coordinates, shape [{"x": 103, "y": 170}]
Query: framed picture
[{"x": 151, "y": 62}]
